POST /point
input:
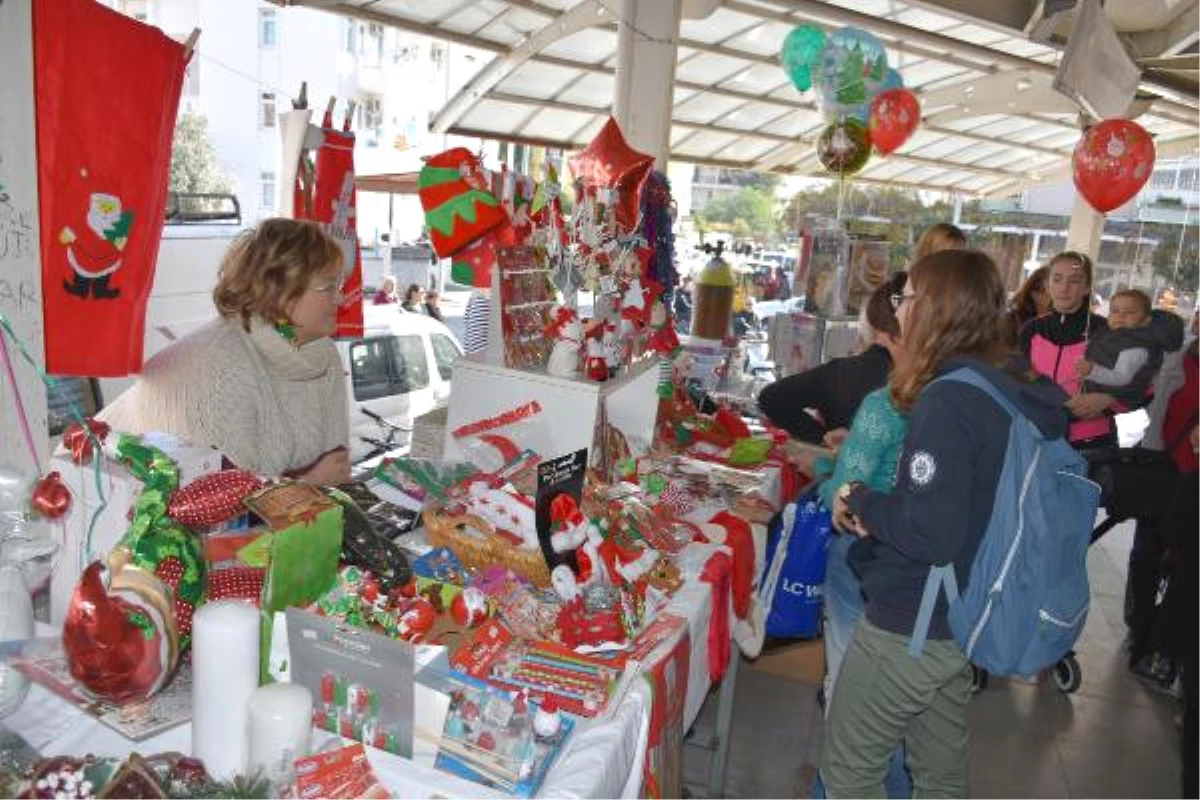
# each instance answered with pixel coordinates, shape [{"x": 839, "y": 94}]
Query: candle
[
  {"x": 280, "y": 729},
  {"x": 224, "y": 676}
]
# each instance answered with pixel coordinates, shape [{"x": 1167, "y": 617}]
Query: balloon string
[
  {"x": 73, "y": 412},
  {"x": 22, "y": 416}
]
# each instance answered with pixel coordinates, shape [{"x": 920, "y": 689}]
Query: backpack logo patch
[{"x": 921, "y": 469}]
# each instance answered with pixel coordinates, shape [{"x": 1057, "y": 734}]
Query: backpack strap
[
  {"x": 973, "y": 378},
  {"x": 938, "y": 577}
]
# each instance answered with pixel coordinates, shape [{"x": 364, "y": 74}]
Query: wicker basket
[{"x": 480, "y": 547}]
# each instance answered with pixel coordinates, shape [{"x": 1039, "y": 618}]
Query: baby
[{"x": 1123, "y": 360}]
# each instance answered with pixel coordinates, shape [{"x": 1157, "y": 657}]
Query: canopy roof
[{"x": 992, "y": 123}]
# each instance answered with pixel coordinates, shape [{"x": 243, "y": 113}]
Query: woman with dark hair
[
  {"x": 1054, "y": 343},
  {"x": 412, "y": 299},
  {"x": 952, "y": 315},
  {"x": 1030, "y": 301}
]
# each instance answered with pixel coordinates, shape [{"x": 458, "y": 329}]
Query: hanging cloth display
[
  {"x": 107, "y": 89},
  {"x": 334, "y": 202}
]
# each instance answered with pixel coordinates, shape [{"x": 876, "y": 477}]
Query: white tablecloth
[{"x": 603, "y": 757}]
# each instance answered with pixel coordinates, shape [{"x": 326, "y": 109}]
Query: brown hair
[
  {"x": 938, "y": 237},
  {"x": 1078, "y": 259},
  {"x": 269, "y": 267},
  {"x": 1022, "y": 301},
  {"x": 881, "y": 316},
  {"x": 1136, "y": 295},
  {"x": 958, "y": 310}
]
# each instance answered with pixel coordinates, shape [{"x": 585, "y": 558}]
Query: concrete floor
[{"x": 1112, "y": 738}]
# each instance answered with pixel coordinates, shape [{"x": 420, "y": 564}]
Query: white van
[{"x": 399, "y": 370}]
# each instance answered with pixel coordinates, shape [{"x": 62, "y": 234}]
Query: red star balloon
[{"x": 609, "y": 162}]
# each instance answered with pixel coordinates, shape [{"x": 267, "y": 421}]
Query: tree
[
  {"x": 746, "y": 212},
  {"x": 1177, "y": 245},
  {"x": 194, "y": 167}
]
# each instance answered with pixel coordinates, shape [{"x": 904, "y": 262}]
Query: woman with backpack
[{"x": 952, "y": 315}]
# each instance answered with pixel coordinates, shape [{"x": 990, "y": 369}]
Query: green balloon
[
  {"x": 843, "y": 147},
  {"x": 801, "y": 50}
]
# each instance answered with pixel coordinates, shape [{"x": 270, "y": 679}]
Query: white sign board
[{"x": 20, "y": 266}]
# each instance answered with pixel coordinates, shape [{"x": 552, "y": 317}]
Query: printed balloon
[
  {"x": 801, "y": 51},
  {"x": 853, "y": 65},
  {"x": 843, "y": 147},
  {"x": 1112, "y": 162},
  {"x": 894, "y": 116}
]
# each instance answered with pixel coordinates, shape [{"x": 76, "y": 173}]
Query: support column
[
  {"x": 1083, "y": 234},
  {"x": 20, "y": 261},
  {"x": 647, "y": 36}
]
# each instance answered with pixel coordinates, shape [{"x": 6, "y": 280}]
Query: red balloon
[
  {"x": 895, "y": 114},
  {"x": 51, "y": 497},
  {"x": 610, "y": 163},
  {"x": 1112, "y": 162}
]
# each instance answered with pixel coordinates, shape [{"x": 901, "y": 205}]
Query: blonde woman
[{"x": 263, "y": 382}]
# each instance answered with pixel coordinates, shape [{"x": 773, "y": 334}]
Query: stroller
[{"x": 1136, "y": 483}]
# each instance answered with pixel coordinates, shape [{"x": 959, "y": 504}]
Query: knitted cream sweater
[{"x": 268, "y": 406}]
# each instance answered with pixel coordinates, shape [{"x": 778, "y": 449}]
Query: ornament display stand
[{"x": 571, "y": 408}]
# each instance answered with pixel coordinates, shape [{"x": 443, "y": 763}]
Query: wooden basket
[{"x": 480, "y": 547}]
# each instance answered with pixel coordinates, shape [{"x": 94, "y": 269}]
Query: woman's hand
[
  {"x": 843, "y": 520},
  {"x": 1083, "y": 368},
  {"x": 331, "y": 469},
  {"x": 1090, "y": 405},
  {"x": 833, "y": 439}
]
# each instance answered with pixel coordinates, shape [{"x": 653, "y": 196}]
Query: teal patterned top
[{"x": 871, "y": 449}]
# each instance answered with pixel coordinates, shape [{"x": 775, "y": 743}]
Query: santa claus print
[{"x": 95, "y": 252}]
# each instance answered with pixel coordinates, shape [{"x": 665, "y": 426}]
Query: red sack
[{"x": 107, "y": 89}]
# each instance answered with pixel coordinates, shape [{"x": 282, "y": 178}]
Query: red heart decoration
[
  {"x": 51, "y": 497},
  {"x": 895, "y": 114},
  {"x": 212, "y": 499},
  {"x": 1112, "y": 162}
]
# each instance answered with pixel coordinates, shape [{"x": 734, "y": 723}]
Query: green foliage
[
  {"x": 747, "y": 212},
  {"x": 194, "y": 166}
]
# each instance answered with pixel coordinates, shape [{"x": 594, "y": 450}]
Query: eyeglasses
[
  {"x": 898, "y": 300},
  {"x": 334, "y": 288}
]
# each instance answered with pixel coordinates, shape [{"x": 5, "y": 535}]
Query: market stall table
[{"x": 603, "y": 758}]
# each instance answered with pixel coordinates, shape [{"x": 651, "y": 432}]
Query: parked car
[{"x": 398, "y": 370}]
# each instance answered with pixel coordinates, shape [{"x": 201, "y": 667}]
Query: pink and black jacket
[{"x": 1054, "y": 343}]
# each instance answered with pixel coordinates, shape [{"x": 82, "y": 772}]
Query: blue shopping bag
[{"x": 793, "y": 581}]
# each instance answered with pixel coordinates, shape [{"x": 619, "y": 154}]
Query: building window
[
  {"x": 373, "y": 45},
  {"x": 268, "y": 32},
  {"x": 1162, "y": 179},
  {"x": 372, "y": 112},
  {"x": 1189, "y": 180},
  {"x": 350, "y": 36},
  {"x": 267, "y": 109},
  {"x": 268, "y": 191}
]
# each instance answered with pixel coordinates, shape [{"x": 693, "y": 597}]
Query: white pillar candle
[
  {"x": 280, "y": 730},
  {"x": 224, "y": 676}
]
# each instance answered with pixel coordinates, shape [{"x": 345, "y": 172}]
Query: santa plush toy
[
  {"x": 595, "y": 364},
  {"x": 95, "y": 252},
  {"x": 567, "y": 332}
]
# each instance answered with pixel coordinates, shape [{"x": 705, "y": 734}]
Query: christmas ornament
[
  {"x": 51, "y": 498},
  {"x": 212, "y": 499},
  {"x": 469, "y": 607},
  {"x": 609, "y": 162},
  {"x": 1112, "y": 162},
  {"x": 458, "y": 206},
  {"x": 235, "y": 583},
  {"x": 567, "y": 333},
  {"x": 78, "y": 439},
  {"x": 843, "y": 148},
  {"x": 895, "y": 114},
  {"x": 119, "y": 635}
]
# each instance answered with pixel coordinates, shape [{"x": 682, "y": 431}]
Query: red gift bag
[{"x": 107, "y": 89}]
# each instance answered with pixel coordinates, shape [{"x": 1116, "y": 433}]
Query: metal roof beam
[{"x": 579, "y": 17}]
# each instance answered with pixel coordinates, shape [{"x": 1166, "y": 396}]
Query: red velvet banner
[{"x": 107, "y": 89}]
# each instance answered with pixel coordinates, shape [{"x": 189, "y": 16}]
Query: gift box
[{"x": 117, "y": 492}]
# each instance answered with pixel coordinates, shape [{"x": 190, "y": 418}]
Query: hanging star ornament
[{"x": 610, "y": 163}]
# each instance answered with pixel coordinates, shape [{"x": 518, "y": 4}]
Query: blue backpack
[{"x": 1027, "y": 597}]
